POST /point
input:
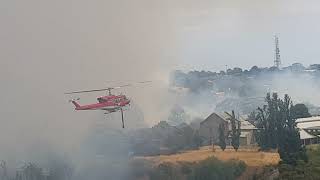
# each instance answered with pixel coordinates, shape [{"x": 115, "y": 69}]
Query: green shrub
[
  {"x": 308, "y": 170},
  {"x": 139, "y": 168},
  {"x": 208, "y": 169},
  {"x": 165, "y": 171},
  {"x": 213, "y": 168},
  {"x": 186, "y": 168}
]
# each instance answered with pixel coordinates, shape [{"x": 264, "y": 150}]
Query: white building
[{"x": 309, "y": 129}]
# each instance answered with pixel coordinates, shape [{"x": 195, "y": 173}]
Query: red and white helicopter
[{"x": 110, "y": 103}]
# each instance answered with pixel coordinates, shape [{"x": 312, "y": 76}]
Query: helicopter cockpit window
[{"x": 101, "y": 100}]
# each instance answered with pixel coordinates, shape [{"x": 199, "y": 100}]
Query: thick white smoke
[{"x": 48, "y": 48}]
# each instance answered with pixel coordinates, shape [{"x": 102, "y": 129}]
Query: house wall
[
  {"x": 251, "y": 140},
  {"x": 210, "y": 129},
  {"x": 243, "y": 141}
]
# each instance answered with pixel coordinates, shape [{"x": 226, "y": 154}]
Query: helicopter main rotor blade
[
  {"x": 96, "y": 90},
  {"x": 105, "y": 89},
  {"x": 118, "y": 87},
  {"x": 144, "y": 82},
  {"x": 86, "y": 91},
  {"x": 131, "y": 84}
]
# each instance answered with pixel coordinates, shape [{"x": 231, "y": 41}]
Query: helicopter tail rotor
[{"x": 76, "y": 99}]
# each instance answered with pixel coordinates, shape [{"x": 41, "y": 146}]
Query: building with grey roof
[{"x": 209, "y": 129}]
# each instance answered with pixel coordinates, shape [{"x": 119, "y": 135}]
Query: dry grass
[{"x": 252, "y": 157}]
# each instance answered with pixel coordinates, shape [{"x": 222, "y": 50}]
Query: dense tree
[
  {"x": 277, "y": 129},
  {"x": 235, "y": 131},
  {"x": 266, "y": 122},
  {"x": 252, "y": 117},
  {"x": 290, "y": 147},
  {"x": 182, "y": 137},
  {"x": 222, "y": 137},
  {"x": 273, "y": 69},
  {"x": 237, "y": 70},
  {"x": 196, "y": 139},
  {"x": 229, "y": 71},
  {"x": 234, "y": 71},
  {"x": 314, "y": 66},
  {"x": 222, "y": 73},
  {"x": 300, "y": 111},
  {"x": 177, "y": 116},
  {"x": 254, "y": 70}
]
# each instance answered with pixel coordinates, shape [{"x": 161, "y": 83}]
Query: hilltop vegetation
[
  {"x": 202, "y": 80},
  {"x": 243, "y": 90}
]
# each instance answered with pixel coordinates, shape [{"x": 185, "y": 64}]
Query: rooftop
[
  {"x": 308, "y": 119},
  {"x": 213, "y": 116},
  {"x": 245, "y": 125},
  {"x": 314, "y": 127},
  {"x": 307, "y": 123}
]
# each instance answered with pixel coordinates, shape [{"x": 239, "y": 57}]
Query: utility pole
[{"x": 277, "y": 60}]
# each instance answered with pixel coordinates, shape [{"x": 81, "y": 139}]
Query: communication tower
[{"x": 277, "y": 60}]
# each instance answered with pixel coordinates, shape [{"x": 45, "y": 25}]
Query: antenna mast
[{"x": 277, "y": 60}]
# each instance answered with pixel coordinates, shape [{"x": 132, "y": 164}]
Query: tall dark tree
[
  {"x": 235, "y": 132},
  {"x": 222, "y": 137},
  {"x": 267, "y": 122},
  {"x": 290, "y": 147},
  {"x": 263, "y": 135},
  {"x": 196, "y": 139},
  {"x": 239, "y": 130}
]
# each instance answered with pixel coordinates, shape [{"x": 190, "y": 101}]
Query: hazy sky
[
  {"x": 49, "y": 47},
  {"x": 240, "y": 33},
  {"x": 206, "y": 34}
]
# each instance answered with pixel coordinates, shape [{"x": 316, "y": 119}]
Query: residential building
[
  {"x": 309, "y": 129},
  {"x": 209, "y": 129}
]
